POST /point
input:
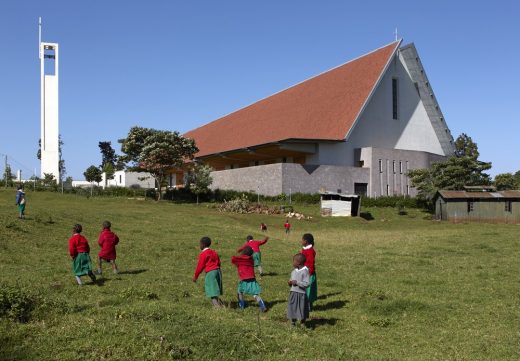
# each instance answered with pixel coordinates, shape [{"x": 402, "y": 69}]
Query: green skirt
[
  {"x": 213, "y": 283},
  {"x": 257, "y": 258},
  {"x": 21, "y": 208},
  {"x": 312, "y": 290},
  {"x": 82, "y": 265},
  {"x": 249, "y": 287}
]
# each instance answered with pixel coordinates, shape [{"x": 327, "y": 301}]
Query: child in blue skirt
[
  {"x": 209, "y": 262},
  {"x": 247, "y": 284}
]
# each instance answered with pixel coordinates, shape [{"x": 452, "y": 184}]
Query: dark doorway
[{"x": 361, "y": 189}]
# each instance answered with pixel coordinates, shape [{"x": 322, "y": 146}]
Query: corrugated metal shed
[
  {"x": 339, "y": 205},
  {"x": 512, "y": 194}
]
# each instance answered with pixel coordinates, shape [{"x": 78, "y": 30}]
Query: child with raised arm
[
  {"x": 209, "y": 262},
  {"x": 257, "y": 255},
  {"x": 298, "y": 306},
  {"x": 246, "y": 273},
  {"x": 107, "y": 241},
  {"x": 79, "y": 252},
  {"x": 310, "y": 258}
]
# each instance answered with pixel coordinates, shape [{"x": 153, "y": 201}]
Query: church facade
[{"x": 357, "y": 128}]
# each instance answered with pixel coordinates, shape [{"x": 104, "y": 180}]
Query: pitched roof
[
  {"x": 510, "y": 194},
  {"x": 324, "y": 107}
]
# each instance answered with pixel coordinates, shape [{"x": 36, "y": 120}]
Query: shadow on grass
[
  {"x": 330, "y": 306},
  {"x": 367, "y": 216},
  {"x": 269, "y": 274},
  {"x": 324, "y": 297},
  {"x": 318, "y": 322},
  {"x": 133, "y": 272}
]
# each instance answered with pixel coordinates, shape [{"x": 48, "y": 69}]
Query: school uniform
[
  {"x": 79, "y": 251},
  {"x": 298, "y": 306},
  {"x": 255, "y": 246},
  {"x": 246, "y": 274},
  {"x": 310, "y": 257},
  {"x": 209, "y": 262},
  {"x": 287, "y": 227},
  {"x": 108, "y": 241}
]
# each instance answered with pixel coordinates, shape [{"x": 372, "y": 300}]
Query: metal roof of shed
[{"x": 511, "y": 194}]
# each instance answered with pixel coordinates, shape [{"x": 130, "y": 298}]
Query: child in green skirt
[
  {"x": 79, "y": 252},
  {"x": 246, "y": 273},
  {"x": 209, "y": 262}
]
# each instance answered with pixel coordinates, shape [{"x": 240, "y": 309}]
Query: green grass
[{"x": 393, "y": 288}]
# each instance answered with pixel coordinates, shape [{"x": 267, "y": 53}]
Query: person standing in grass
[
  {"x": 310, "y": 258},
  {"x": 209, "y": 262},
  {"x": 20, "y": 202},
  {"x": 246, "y": 273},
  {"x": 79, "y": 252},
  {"x": 263, "y": 227},
  {"x": 257, "y": 255},
  {"x": 107, "y": 241},
  {"x": 298, "y": 306},
  {"x": 287, "y": 227}
]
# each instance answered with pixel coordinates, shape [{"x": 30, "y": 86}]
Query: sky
[{"x": 176, "y": 65}]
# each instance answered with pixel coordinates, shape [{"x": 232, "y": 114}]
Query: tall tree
[
  {"x": 199, "y": 179},
  {"x": 92, "y": 174},
  {"x": 462, "y": 169},
  {"x": 156, "y": 151},
  {"x": 108, "y": 154}
]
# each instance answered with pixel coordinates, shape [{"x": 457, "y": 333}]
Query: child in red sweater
[
  {"x": 246, "y": 274},
  {"x": 107, "y": 241},
  {"x": 310, "y": 258},
  {"x": 287, "y": 227},
  {"x": 209, "y": 262},
  {"x": 257, "y": 256},
  {"x": 79, "y": 252}
]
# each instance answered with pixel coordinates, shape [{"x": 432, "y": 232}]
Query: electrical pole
[{"x": 5, "y": 171}]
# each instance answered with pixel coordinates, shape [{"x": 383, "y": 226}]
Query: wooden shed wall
[{"x": 484, "y": 210}]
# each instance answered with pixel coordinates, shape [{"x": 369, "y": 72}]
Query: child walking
[
  {"x": 246, "y": 274},
  {"x": 310, "y": 258},
  {"x": 79, "y": 252},
  {"x": 20, "y": 202},
  {"x": 107, "y": 241},
  {"x": 263, "y": 227},
  {"x": 209, "y": 262},
  {"x": 287, "y": 227},
  {"x": 298, "y": 306},
  {"x": 257, "y": 255}
]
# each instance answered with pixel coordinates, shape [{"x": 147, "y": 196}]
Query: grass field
[{"x": 392, "y": 288}]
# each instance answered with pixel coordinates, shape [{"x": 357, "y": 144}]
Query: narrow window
[
  {"x": 407, "y": 190},
  {"x": 470, "y": 206},
  {"x": 387, "y": 190},
  {"x": 509, "y": 206},
  {"x": 380, "y": 166},
  {"x": 393, "y": 166},
  {"x": 120, "y": 179},
  {"x": 400, "y": 167},
  {"x": 395, "y": 98}
]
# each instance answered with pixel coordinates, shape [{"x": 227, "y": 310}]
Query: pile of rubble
[{"x": 298, "y": 216}]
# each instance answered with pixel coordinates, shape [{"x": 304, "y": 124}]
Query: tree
[
  {"x": 199, "y": 179},
  {"x": 92, "y": 174},
  {"x": 517, "y": 179},
  {"x": 156, "y": 151},
  {"x": 505, "y": 181},
  {"x": 108, "y": 154},
  {"x": 48, "y": 179},
  {"x": 461, "y": 169},
  {"x": 8, "y": 175}
]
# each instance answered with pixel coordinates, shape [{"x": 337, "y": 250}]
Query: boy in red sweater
[
  {"x": 210, "y": 263},
  {"x": 107, "y": 241},
  {"x": 310, "y": 257},
  {"x": 246, "y": 274},
  {"x": 257, "y": 256},
  {"x": 79, "y": 252}
]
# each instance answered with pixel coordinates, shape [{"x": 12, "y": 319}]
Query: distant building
[
  {"x": 128, "y": 179},
  {"x": 478, "y": 206},
  {"x": 357, "y": 128}
]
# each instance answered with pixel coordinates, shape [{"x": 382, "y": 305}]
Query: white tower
[{"x": 50, "y": 156}]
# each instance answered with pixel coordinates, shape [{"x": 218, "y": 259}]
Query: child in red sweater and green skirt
[
  {"x": 310, "y": 258},
  {"x": 209, "y": 262},
  {"x": 246, "y": 273},
  {"x": 79, "y": 252}
]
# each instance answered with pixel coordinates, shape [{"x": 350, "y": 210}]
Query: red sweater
[
  {"x": 287, "y": 225},
  {"x": 245, "y": 266},
  {"x": 208, "y": 261},
  {"x": 108, "y": 240},
  {"x": 310, "y": 256},
  {"x": 255, "y": 245},
  {"x": 78, "y": 244}
]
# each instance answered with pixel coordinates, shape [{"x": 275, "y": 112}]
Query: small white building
[
  {"x": 339, "y": 205},
  {"x": 128, "y": 179}
]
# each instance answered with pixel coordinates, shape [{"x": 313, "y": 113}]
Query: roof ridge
[{"x": 308, "y": 79}]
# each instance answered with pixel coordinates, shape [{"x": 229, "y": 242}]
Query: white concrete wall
[
  {"x": 376, "y": 128},
  {"x": 129, "y": 179}
]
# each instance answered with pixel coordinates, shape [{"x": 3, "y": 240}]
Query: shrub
[{"x": 15, "y": 303}]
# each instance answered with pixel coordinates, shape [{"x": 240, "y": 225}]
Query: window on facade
[
  {"x": 509, "y": 206},
  {"x": 395, "y": 98},
  {"x": 380, "y": 166},
  {"x": 120, "y": 179},
  {"x": 387, "y": 190},
  {"x": 400, "y": 167},
  {"x": 470, "y": 206},
  {"x": 407, "y": 190},
  {"x": 393, "y": 166}
]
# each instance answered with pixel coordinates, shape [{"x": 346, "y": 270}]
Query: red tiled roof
[{"x": 324, "y": 107}]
